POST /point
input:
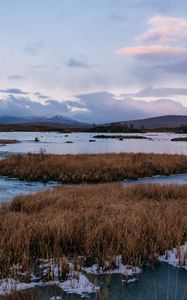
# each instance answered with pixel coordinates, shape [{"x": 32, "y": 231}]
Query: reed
[
  {"x": 92, "y": 220},
  {"x": 93, "y": 168},
  {"x": 5, "y": 142}
]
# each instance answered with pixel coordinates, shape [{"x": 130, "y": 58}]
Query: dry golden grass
[
  {"x": 91, "y": 168},
  {"x": 92, "y": 220}
]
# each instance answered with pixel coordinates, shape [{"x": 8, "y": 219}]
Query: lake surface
[
  {"x": 56, "y": 143},
  {"x": 165, "y": 282}
]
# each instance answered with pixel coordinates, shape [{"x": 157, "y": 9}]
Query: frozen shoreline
[
  {"x": 80, "y": 285},
  {"x": 76, "y": 282},
  {"x": 176, "y": 257}
]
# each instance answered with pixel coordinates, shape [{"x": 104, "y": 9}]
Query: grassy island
[{"x": 91, "y": 168}]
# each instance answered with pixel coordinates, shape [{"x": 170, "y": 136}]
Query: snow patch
[
  {"x": 176, "y": 257},
  {"x": 78, "y": 284},
  {"x": 8, "y": 286},
  {"x": 119, "y": 269}
]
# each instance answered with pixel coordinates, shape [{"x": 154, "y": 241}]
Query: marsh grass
[
  {"x": 5, "y": 142},
  {"x": 94, "y": 168},
  {"x": 121, "y": 137},
  {"x": 94, "y": 221},
  {"x": 180, "y": 139}
]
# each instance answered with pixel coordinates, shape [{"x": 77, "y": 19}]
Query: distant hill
[
  {"x": 168, "y": 121},
  {"x": 60, "y": 123},
  {"x": 55, "y": 120}
]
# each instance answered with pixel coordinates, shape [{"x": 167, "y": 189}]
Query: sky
[{"x": 96, "y": 61}]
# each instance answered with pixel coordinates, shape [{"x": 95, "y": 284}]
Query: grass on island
[
  {"x": 5, "y": 142},
  {"x": 121, "y": 137},
  {"x": 93, "y": 168},
  {"x": 92, "y": 220},
  {"x": 180, "y": 139}
]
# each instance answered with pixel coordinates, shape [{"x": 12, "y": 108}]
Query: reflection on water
[
  {"x": 54, "y": 142},
  {"x": 165, "y": 282}
]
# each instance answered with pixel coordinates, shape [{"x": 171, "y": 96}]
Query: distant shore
[{"x": 111, "y": 128}]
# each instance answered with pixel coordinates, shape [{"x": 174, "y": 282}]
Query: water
[
  {"x": 165, "y": 282},
  {"x": 172, "y": 179},
  {"x": 53, "y": 142},
  {"x": 12, "y": 187}
]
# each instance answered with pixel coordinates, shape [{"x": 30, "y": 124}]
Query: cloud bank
[{"x": 98, "y": 107}]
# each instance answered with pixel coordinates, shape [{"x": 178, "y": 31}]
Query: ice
[{"x": 176, "y": 257}]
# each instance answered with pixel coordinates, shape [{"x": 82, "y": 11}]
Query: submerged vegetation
[
  {"x": 94, "y": 168},
  {"x": 94, "y": 221}
]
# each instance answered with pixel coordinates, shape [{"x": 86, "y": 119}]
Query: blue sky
[{"x": 70, "y": 50}]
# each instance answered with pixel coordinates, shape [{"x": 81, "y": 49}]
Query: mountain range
[
  {"x": 58, "y": 119},
  {"x": 168, "y": 121}
]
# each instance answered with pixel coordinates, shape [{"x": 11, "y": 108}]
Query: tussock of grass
[
  {"x": 122, "y": 137},
  {"x": 95, "y": 221},
  {"x": 180, "y": 139},
  {"x": 95, "y": 168},
  {"x": 4, "y": 142}
]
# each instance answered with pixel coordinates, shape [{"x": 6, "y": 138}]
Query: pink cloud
[
  {"x": 164, "y": 29},
  {"x": 159, "y": 41},
  {"x": 159, "y": 51}
]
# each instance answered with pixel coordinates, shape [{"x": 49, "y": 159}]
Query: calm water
[
  {"x": 172, "y": 179},
  {"x": 164, "y": 283},
  {"x": 12, "y": 187},
  {"x": 56, "y": 143}
]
